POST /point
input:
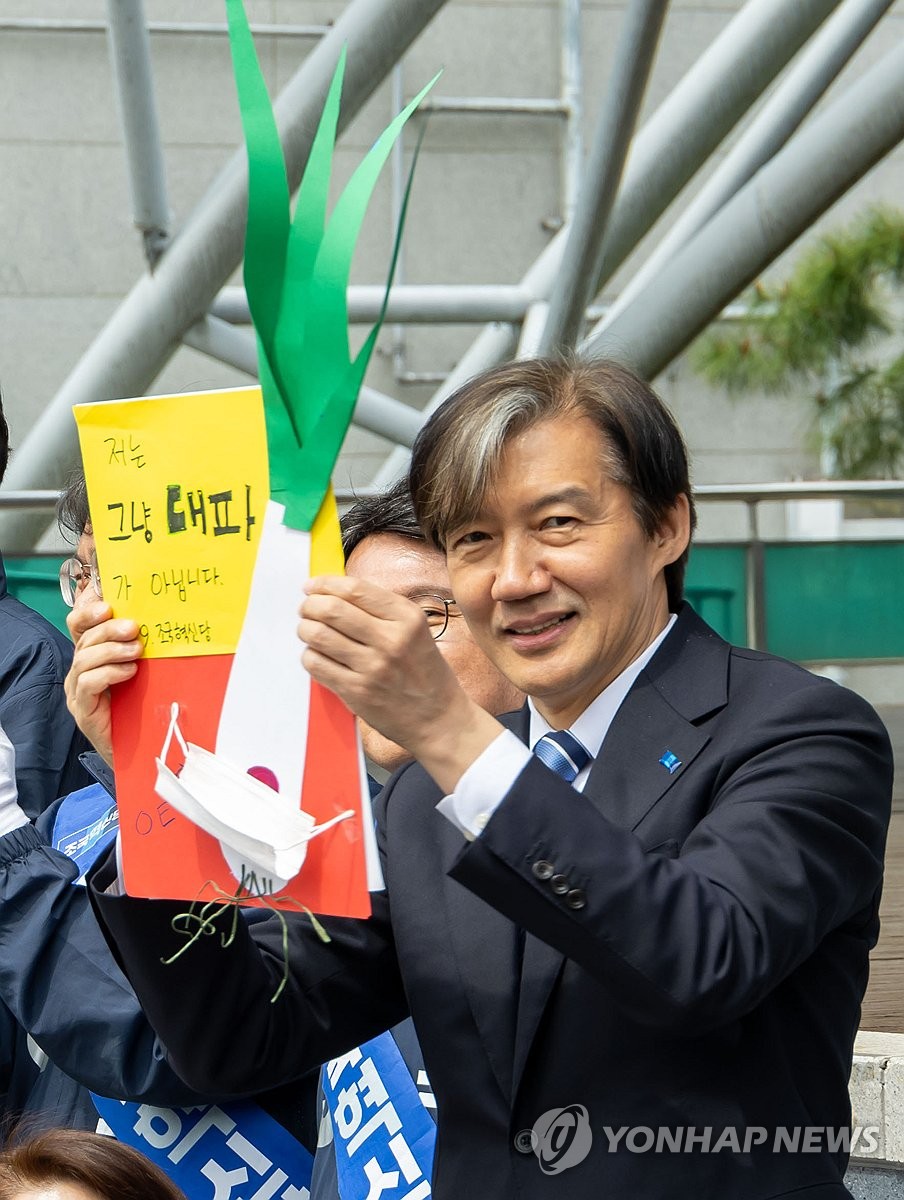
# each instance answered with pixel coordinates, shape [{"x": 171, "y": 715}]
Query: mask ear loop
[{"x": 316, "y": 830}]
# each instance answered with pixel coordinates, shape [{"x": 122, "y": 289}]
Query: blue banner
[
  {"x": 383, "y": 1136},
  {"x": 215, "y": 1152},
  {"x": 85, "y": 824}
]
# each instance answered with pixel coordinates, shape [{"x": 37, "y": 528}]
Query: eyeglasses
[
  {"x": 437, "y": 610},
  {"x": 75, "y": 576}
]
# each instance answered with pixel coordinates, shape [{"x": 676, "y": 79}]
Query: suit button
[
  {"x": 542, "y": 869},
  {"x": 525, "y": 1141},
  {"x": 576, "y": 898},
  {"x": 559, "y": 884}
]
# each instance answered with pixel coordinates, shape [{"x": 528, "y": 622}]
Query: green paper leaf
[
  {"x": 267, "y": 231},
  {"x": 296, "y": 278},
  {"x": 335, "y": 418}
]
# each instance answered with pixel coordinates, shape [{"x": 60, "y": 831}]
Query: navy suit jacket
[{"x": 695, "y": 956}]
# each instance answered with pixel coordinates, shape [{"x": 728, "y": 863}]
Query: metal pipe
[
  {"x": 224, "y": 342},
  {"x": 238, "y": 347},
  {"x": 568, "y": 105},
  {"x": 819, "y": 489},
  {"x": 387, "y": 417},
  {"x": 700, "y": 110},
  {"x": 572, "y": 89},
  {"x": 815, "y": 68},
  {"x": 147, "y": 327},
  {"x": 817, "y": 165},
  {"x": 191, "y": 28},
  {"x": 42, "y": 499},
  {"x": 755, "y": 575},
  {"x": 535, "y": 321},
  {"x": 501, "y": 106},
  {"x": 397, "y": 194},
  {"x": 431, "y": 304},
  {"x": 130, "y": 54},
  {"x": 582, "y": 256},
  {"x": 410, "y": 304}
]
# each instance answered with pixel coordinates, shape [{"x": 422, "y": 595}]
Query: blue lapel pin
[{"x": 670, "y": 761}]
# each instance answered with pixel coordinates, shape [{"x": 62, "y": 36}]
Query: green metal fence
[
  {"x": 36, "y": 582},
  {"x": 823, "y": 601}
]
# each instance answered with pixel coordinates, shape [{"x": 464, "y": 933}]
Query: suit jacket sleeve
[
  {"x": 235, "y": 1027},
  {"x": 60, "y": 982},
  {"x": 772, "y": 839}
]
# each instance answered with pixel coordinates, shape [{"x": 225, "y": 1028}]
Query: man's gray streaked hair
[{"x": 457, "y": 454}]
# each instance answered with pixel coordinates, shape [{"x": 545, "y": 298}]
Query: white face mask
[{"x": 258, "y": 830}]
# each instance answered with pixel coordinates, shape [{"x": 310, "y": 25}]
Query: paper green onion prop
[
  {"x": 237, "y": 774},
  {"x": 296, "y": 276}
]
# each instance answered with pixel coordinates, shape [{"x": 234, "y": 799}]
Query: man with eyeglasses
[
  {"x": 34, "y": 659},
  {"x": 76, "y": 575}
]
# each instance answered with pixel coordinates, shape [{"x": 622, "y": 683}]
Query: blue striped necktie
[{"x": 562, "y": 753}]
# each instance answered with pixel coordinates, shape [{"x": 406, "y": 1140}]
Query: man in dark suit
[{"x": 634, "y": 957}]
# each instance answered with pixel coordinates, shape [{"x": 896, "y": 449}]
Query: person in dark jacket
[
  {"x": 34, "y": 659},
  {"x": 71, "y": 1031},
  {"x": 75, "y": 1048}
]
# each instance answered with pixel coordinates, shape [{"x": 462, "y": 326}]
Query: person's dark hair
[
  {"x": 457, "y": 453},
  {"x": 73, "y": 516},
  {"x": 103, "y": 1165},
  {"x": 387, "y": 512},
  {"x": 4, "y": 443}
]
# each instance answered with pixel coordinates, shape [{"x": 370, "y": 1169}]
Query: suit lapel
[
  {"x": 648, "y": 748},
  {"x": 654, "y": 738}
]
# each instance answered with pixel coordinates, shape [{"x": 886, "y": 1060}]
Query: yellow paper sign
[{"x": 177, "y": 518}]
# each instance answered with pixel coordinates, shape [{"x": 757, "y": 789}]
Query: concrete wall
[
  {"x": 488, "y": 194},
  {"x": 877, "y": 1101}
]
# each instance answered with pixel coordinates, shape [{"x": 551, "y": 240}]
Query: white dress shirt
[{"x": 489, "y": 778}]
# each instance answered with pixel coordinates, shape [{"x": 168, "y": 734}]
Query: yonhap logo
[{"x": 560, "y": 1138}]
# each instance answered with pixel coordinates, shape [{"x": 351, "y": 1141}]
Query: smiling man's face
[{"x": 559, "y": 583}]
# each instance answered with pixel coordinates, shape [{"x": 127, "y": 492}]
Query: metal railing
[{"x": 755, "y": 494}]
